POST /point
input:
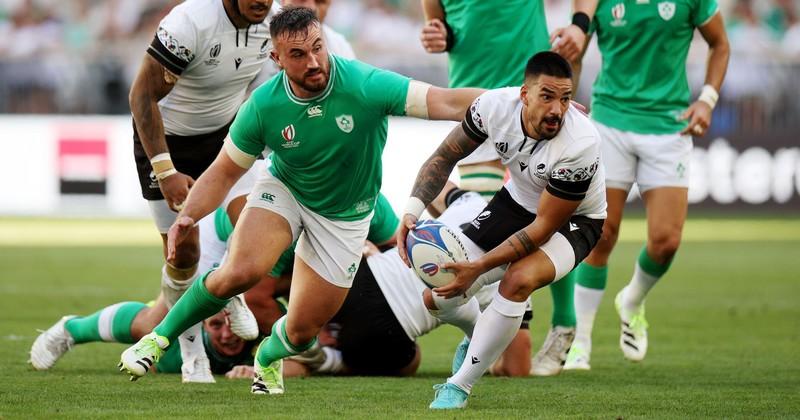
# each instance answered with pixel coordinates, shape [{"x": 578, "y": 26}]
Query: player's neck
[
  {"x": 233, "y": 14},
  {"x": 302, "y": 93}
]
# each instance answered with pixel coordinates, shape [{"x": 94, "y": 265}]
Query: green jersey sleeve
[
  {"x": 384, "y": 222},
  {"x": 246, "y": 130},
  {"x": 388, "y": 91},
  {"x": 703, "y": 12}
]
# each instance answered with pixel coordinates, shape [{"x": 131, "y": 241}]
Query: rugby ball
[{"x": 429, "y": 246}]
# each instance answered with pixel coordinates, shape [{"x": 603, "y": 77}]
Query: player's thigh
[
  {"x": 618, "y": 157},
  {"x": 526, "y": 275},
  {"x": 313, "y": 302},
  {"x": 667, "y": 209}
]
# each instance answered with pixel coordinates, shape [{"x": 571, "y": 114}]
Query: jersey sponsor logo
[
  {"x": 270, "y": 198},
  {"x": 314, "y": 111},
  {"x": 541, "y": 171},
  {"x": 288, "y": 137},
  {"x": 238, "y": 62},
  {"x": 501, "y": 147},
  {"x": 476, "y": 223},
  {"x": 618, "y": 13},
  {"x": 666, "y": 10},
  {"x": 345, "y": 123}
]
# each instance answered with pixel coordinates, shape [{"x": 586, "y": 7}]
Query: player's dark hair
[
  {"x": 292, "y": 20},
  {"x": 548, "y": 63}
]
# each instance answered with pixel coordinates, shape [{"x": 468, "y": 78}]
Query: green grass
[{"x": 725, "y": 333}]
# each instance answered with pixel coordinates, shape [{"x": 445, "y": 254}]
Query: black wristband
[
  {"x": 450, "y": 39},
  {"x": 582, "y": 21}
]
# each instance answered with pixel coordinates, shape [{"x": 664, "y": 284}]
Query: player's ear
[
  {"x": 273, "y": 54},
  {"x": 523, "y": 94}
]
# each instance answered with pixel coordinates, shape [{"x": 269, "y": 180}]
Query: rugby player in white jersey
[
  {"x": 545, "y": 220},
  {"x": 190, "y": 85}
]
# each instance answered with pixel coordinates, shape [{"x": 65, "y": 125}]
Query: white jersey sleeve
[
  {"x": 572, "y": 174},
  {"x": 337, "y": 43},
  {"x": 474, "y": 124},
  {"x": 175, "y": 42}
]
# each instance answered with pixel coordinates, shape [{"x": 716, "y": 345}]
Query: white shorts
[
  {"x": 212, "y": 249},
  {"x": 164, "y": 216},
  {"x": 332, "y": 248},
  {"x": 649, "y": 160}
]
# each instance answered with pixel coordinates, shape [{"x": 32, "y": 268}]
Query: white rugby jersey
[
  {"x": 568, "y": 165},
  {"x": 214, "y": 62}
]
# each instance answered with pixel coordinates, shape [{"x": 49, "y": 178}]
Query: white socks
[
  {"x": 496, "y": 327},
  {"x": 173, "y": 289},
  {"x": 635, "y": 292},
  {"x": 587, "y": 302}
]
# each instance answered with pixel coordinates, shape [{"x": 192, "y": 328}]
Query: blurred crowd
[{"x": 79, "y": 56}]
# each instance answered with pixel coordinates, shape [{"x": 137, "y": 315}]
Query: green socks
[
  {"x": 196, "y": 304},
  {"x": 591, "y": 277},
  {"x": 563, "y": 292},
  {"x": 277, "y": 345},
  {"x": 651, "y": 267},
  {"x": 112, "y": 324}
]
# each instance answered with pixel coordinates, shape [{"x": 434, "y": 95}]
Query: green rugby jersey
[
  {"x": 327, "y": 149},
  {"x": 642, "y": 85},
  {"x": 494, "y": 40},
  {"x": 171, "y": 361}
]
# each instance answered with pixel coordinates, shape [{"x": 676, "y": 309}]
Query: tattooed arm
[{"x": 432, "y": 177}]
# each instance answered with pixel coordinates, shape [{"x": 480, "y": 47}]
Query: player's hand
[
  {"x": 177, "y": 234},
  {"x": 579, "y": 106},
  {"x": 408, "y": 224},
  {"x": 699, "y": 116},
  {"x": 466, "y": 272},
  {"x": 568, "y": 42},
  {"x": 240, "y": 372},
  {"x": 434, "y": 36},
  {"x": 175, "y": 189}
]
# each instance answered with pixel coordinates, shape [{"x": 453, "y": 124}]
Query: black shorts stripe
[{"x": 163, "y": 55}]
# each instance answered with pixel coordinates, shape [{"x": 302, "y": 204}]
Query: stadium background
[{"x": 75, "y": 233}]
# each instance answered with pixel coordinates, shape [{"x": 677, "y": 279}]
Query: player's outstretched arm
[
  {"x": 431, "y": 179},
  {"x": 699, "y": 113},
  {"x": 206, "y": 195},
  {"x": 450, "y": 104}
]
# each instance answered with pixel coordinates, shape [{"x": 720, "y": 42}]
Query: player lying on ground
[{"x": 538, "y": 228}]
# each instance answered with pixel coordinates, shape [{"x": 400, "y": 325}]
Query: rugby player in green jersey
[
  {"x": 642, "y": 108},
  {"x": 324, "y": 120},
  {"x": 487, "y": 42}
]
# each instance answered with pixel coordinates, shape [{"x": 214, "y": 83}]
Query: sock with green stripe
[
  {"x": 111, "y": 324},
  {"x": 277, "y": 345},
  {"x": 196, "y": 304},
  {"x": 646, "y": 274},
  {"x": 563, "y": 292},
  {"x": 591, "y": 284}
]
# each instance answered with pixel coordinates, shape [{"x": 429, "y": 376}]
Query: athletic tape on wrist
[
  {"x": 709, "y": 95},
  {"x": 169, "y": 172},
  {"x": 162, "y": 166},
  {"x": 414, "y": 207}
]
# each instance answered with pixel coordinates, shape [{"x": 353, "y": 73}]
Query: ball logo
[
  {"x": 429, "y": 268},
  {"x": 425, "y": 235}
]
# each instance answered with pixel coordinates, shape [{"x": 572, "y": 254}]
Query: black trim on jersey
[
  {"x": 471, "y": 129},
  {"x": 453, "y": 195},
  {"x": 163, "y": 55},
  {"x": 568, "y": 190}
]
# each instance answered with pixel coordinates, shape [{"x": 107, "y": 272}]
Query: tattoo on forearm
[
  {"x": 435, "y": 171},
  {"x": 525, "y": 241},
  {"x": 514, "y": 247}
]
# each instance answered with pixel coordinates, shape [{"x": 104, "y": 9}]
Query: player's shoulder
[
  {"x": 578, "y": 129},
  {"x": 497, "y": 100},
  {"x": 200, "y": 15},
  {"x": 270, "y": 95}
]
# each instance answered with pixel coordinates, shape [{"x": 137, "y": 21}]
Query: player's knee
[
  {"x": 238, "y": 279},
  {"x": 518, "y": 284},
  {"x": 664, "y": 246},
  {"x": 300, "y": 335}
]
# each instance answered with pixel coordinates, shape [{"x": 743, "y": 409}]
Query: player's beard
[
  {"x": 545, "y": 129},
  {"x": 317, "y": 85}
]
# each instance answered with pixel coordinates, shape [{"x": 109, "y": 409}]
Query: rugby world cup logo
[
  {"x": 618, "y": 13},
  {"x": 430, "y": 269},
  {"x": 288, "y": 132}
]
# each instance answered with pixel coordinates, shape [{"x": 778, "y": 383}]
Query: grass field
[{"x": 724, "y": 338}]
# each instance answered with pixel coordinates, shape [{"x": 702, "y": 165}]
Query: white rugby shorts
[
  {"x": 332, "y": 248},
  {"x": 649, "y": 160}
]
